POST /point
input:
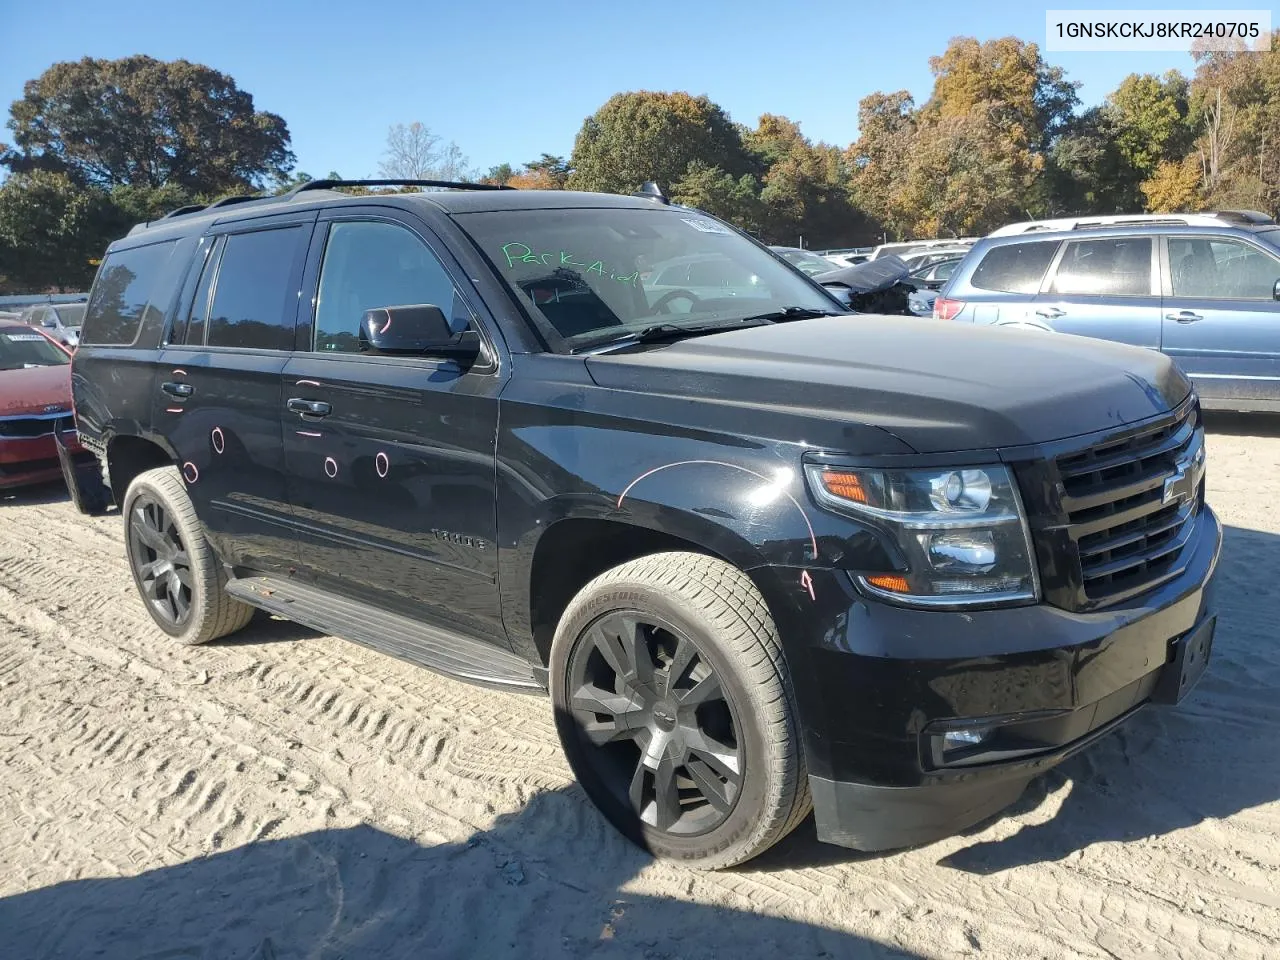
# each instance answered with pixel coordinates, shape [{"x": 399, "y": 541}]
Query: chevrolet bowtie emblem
[{"x": 1181, "y": 485}]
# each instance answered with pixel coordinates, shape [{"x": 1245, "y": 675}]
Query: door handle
[
  {"x": 1051, "y": 313},
  {"x": 1183, "y": 316},
  {"x": 309, "y": 409},
  {"x": 179, "y": 390}
]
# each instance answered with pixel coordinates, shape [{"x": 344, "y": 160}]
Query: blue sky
[{"x": 510, "y": 81}]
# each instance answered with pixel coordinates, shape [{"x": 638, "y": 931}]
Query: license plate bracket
[{"x": 1191, "y": 654}]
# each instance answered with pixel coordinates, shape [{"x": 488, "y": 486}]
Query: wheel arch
[
  {"x": 573, "y": 550},
  {"x": 128, "y": 455}
]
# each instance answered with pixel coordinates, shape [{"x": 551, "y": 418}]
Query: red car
[{"x": 35, "y": 407}]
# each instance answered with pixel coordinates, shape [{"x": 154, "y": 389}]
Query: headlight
[{"x": 961, "y": 531}]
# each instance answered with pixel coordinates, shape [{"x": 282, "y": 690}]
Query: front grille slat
[
  {"x": 1125, "y": 538},
  {"x": 25, "y": 428}
]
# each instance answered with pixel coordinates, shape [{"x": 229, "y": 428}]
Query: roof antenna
[{"x": 651, "y": 191}]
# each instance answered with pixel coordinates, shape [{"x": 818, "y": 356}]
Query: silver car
[
  {"x": 1204, "y": 291},
  {"x": 60, "y": 320}
]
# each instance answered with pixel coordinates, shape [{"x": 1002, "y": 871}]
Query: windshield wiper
[
  {"x": 793, "y": 313},
  {"x": 671, "y": 332}
]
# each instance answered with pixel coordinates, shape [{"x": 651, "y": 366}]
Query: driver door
[{"x": 390, "y": 465}]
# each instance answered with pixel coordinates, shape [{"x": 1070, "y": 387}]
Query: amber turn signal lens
[
  {"x": 891, "y": 582},
  {"x": 845, "y": 485}
]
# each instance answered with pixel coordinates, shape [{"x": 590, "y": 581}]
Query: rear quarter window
[
  {"x": 125, "y": 285},
  {"x": 1015, "y": 267}
]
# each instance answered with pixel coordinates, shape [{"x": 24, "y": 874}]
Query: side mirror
[
  {"x": 50, "y": 323},
  {"x": 1275, "y": 291},
  {"x": 420, "y": 329}
]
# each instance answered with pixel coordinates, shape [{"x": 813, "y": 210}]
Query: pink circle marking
[
  {"x": 189, "y": 472},
  {"x": 330, "y": 467},
  {"x": 382, "y": 464},
  {"x": 219, "y": 441}
]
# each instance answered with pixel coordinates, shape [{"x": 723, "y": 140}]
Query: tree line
[{"x": 99, "y": 145}]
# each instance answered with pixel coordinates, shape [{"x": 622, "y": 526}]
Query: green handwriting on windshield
[{"x": 517, "y": 252}]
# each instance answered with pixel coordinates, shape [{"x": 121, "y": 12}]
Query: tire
[
  {"x": 160, "y": 526},
  {"x": 88, "y": 493},
  {"x": 685, "y": 804}
]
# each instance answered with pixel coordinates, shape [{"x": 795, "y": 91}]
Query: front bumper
[
  {"x": 874, "y": 695},
  {"x": 26, "y": 461}
]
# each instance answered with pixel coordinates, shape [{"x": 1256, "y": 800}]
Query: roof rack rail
[
  {"x": 1244, "y": 216},
  {"x": 235, "y": 198},
  {"x": 189, "y": 208},
  {"x": 447, "y": 184}
]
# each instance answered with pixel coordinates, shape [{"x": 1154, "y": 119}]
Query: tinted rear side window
[
  {"x": 1118, "y": 267},
  {"x": 255, "y": 294},
  {"x": 121, "y": 292},
  {"x": 1015, "y": 267}
]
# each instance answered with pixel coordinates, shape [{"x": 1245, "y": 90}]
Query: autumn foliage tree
[
  {"x": 646, "y": 136},
  {"x": 144, "y": 122}
]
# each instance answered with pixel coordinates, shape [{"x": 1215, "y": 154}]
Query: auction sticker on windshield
[{"x": 706, "y": 226}]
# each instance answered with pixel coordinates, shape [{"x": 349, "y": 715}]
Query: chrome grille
[
  {"x": 1131, "y": 505},
  {"x": 27, "y": 427}
]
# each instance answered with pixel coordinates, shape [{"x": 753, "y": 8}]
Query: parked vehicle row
[
  {"x": 37, "y": 431},
  {"x": 765, "y": 556}
]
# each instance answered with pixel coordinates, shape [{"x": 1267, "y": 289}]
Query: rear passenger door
[
  {"x": 218, "y": 389},
  {"x": 1104, "y": 287},
  {"x": 1221, "y": 318},
  {"x": 393, "y": 482}
]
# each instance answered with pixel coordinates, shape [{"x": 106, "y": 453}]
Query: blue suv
[{"x": 1202, "y": 288}]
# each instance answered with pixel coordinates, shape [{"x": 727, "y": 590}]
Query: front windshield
[
  {"x": 809, "y": 263},
  {"x": 599, "y": 274},
  {"x": 72, "y": 315},
  {"x": 23, "y": 348}
]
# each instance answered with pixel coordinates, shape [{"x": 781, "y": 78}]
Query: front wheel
[
  {"x": 177, "y": 573},
  {"x": 675, "y": 709}
]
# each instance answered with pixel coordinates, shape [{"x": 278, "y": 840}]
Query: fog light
[{"x": 963, "y": 739}]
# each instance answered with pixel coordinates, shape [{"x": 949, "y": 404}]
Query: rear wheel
[
  {"x": 176, "y": 572},
  {"x": 84, "y": 481},
  {"x": 675, "y": 709}
]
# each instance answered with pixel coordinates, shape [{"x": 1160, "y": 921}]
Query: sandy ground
[{"x": 288, "y": 795}]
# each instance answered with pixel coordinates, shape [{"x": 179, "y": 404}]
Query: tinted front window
[
  {"x": 369, "y": 265},
  {"x": 592, "y": 273},
  {"x": 120, "y": 293},
  {"x": 255, "y": 296},
  {"x": 1221, "y": 270},
  {"x": 1115, "y": 266},
  {"x": 25, "y": 348},
  {"x": 1014, "y": 267}
]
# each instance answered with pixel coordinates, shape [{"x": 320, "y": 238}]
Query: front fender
[{"x": 741, "y": 498}]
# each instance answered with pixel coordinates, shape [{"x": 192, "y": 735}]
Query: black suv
[{"x": 763, "y": 554}]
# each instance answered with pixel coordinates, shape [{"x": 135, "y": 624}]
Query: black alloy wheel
[
  {"x": 160, "y": 561},
  {"x": 664, "y": 729}
]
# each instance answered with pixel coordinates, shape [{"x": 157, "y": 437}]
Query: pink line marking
[
  {"x": 306, "y": 383},
  {"x": 219, "y": 441},
  {"x": 806, "y": 581},
  {"x": 813, "y": 539},
  {"x": 179, "y": 373},
  {"x": 173, "y": 410},
  {"x": 330, "y": 467},
  {"x": 386, "y": 326},
  {"x": 190, "y": 472},
  {"x": 382, "y": 464},
  {"x": 308, "y": 433}
]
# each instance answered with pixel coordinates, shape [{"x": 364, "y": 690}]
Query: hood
[
  {"x": 936, "y": 386},
  {"x": 870, "y": 275},
  {"x": 31, "y": 390}
]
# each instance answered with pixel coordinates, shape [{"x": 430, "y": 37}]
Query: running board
[{"x": 425, "y": 646}]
